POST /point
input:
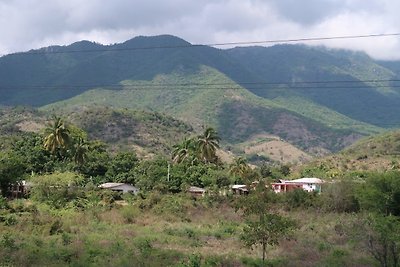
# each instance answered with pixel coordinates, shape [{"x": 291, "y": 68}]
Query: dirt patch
[
  {"x": 30, "y": 126},
  {"x": 277, "y": 150}
]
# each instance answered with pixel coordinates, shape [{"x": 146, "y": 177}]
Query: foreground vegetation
[{"x": 67, "y": 220}]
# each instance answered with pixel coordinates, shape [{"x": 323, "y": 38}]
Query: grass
[{"x": 195, "y": 233}]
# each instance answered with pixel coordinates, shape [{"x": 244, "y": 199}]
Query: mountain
[
  {"x": 247, "y": 93},
  {"x": 292, "y": 66},
  {"x": 55, "y": 73}
]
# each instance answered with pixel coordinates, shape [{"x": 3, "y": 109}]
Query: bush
[
  {"x": 340, "y": 197},
  {"x": 130, "y": 213},
  {"x": 3, "y": 203},
  {"x": 300, "y": 198},
  {"x": 56, "y": 189}
]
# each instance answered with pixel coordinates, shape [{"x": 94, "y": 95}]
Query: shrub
[
  {"x": 3, "y": 203},
  {"x": 130, "y": 213},
  {"x": 340, "y": 197},
  {"x": 10, "y": 219},
  {"x": 300, "y": 198},
  {"x": 56, "y": 189}
]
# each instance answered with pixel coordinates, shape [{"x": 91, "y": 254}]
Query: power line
[
  {"x": 311, "y": 39},
  {"x": 293, "y": 85}
]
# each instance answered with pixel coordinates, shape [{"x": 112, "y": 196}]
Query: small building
[
  {"x": 120, "y": 187},
  {"x": 20, "y": 189},
  {"x": 307, "y": 184},
  {"x": 240, "y": 189},
  {"x": 196, "y": 191}
]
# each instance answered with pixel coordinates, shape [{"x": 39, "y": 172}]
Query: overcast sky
[{"x": 26, "y": 24}]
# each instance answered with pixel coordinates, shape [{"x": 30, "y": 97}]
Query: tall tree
[
  {"x": 207, "y": 145},
  {"x": 184, "y": 151},
  {"x": 239, "y": 167},
  {"x": 80, "y": 150},
  {"x": 57, "y": 136}
]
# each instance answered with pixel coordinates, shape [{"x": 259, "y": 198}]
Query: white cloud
[{"x": 30, "y": 24}]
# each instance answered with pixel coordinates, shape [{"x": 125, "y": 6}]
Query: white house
[
  {"x": 307, "y": 184},
  {"x": 120, "y": 187}
]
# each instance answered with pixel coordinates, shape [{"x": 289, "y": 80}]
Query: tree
[
  {"x": 57, "y": 136},
  {"x": 56, "y": 189},
  {"x": 268, "y": 230},
  {"x": 263, "y": 226},
  {"x": 12, "y": 170},
  {"x": 97, "y": 161},
  {"x": 121, "y": 167},
  {"x": 80, "y": 150},
  {"x": 239, "y": 167},
  {"x": 207, "y": 145},
  {"x": 381, "y": 193},
  {"x": 380, "y": 236},
  {"x": 29, "y": 148},
  {"x": 184, "y": 151}
]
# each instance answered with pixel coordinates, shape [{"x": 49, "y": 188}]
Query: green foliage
[
  {"x": 381, "y": 193},
  {"x": 380, "y": 236},
  {"x": 97, "y": 161},
  {"x": 299, "y": 198},
  {"x": 56, "y": 189},
  {"x": 267, "y": 230},
  {"x": 207, "y": 145},
  {"x": 121, "y": 167},
  {"x": 340, "y": 196},
  {"x": 30, "y": 149},
  {"x": 150, "y": 173},
  {"x": 12, "y": 170},
  {"x": 263, "y": 227},
  {"x": 57, "y": 137},
  {"x": 203, "y": 148},
  {"x": 239, "y": 167}
]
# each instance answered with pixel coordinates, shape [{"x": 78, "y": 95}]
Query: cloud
[{"x": 30, "y": 24}]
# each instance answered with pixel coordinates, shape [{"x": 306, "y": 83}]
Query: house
[
  {"x": 240, "y": 189},
  {"x": 196, "y": 191},
  {"x": 120, "y": 187},
  {"x": 307, "y": 184}
]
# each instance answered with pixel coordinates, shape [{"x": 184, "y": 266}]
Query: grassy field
[{"x": 165, "y": 230}]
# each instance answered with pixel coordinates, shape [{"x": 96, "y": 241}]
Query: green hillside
[
  {"x": 292, "y": 65},
  {"x": 145, "y": 133},
  {"x": 55, "y": 73},
  {"x": 375, "y": 153},
  {"x": 244, "y": 92},
  {"x": 235, "y": 112}
]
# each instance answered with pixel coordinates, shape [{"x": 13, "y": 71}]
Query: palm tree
[
  {"x": 57, "y": 136},
  {"x": 183, "y": 151},
  {"x": 239, "y": 167},
  {"x": 80, "y": 151},
  {"x": 207, "y": 145}
]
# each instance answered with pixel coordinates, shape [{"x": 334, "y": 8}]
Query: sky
[{"x": 28, "y": 24}]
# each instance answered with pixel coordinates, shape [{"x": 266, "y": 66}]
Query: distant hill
[
  {"x": 243, "y": 92},
  {"x": 147, "y": 133},
  {"x": 292, "y": 65},
  {"x": 237, "y": 114},
  {"x": 375, "y": 153},
  {"x": 55, "y": 73}
]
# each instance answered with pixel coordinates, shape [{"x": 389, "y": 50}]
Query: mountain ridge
[{"x": 142, "y": 73}]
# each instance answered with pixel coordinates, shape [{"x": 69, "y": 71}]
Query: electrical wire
[
  {"x": 113, "y": 49},
  {"x": 355, "y": 84}
]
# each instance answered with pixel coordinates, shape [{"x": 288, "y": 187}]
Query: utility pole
[{"x": 168, "y": 171}]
